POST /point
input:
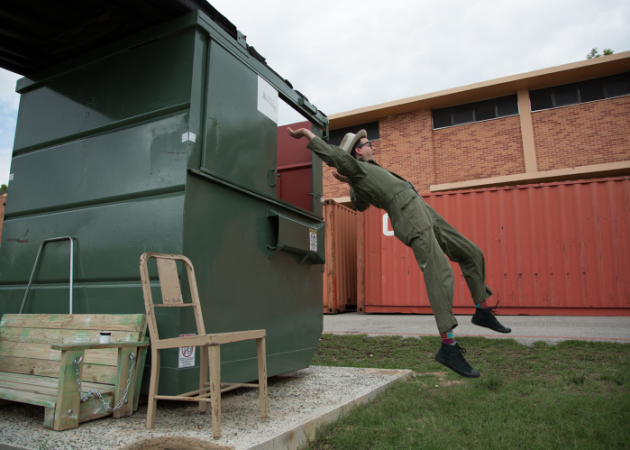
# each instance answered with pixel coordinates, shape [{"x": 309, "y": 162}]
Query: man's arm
[
  {"x": 347, "y": 166},
  {"x": 300, "y": 133},
  {"x": 336, "y": 157},
  {"x": 359, "y": 204}
]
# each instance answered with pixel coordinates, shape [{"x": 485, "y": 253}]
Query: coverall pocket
[{"x": 412, "y": 222}]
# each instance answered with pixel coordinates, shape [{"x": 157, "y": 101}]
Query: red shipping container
[
  {"x": 295, "y": 168},
  {"x": 340, "y": 271},
  {"x": 551, "y": 249}
]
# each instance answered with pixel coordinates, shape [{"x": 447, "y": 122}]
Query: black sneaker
[
  {"x": 452, "y": 356},
  {"x": 485, "y": 318}
]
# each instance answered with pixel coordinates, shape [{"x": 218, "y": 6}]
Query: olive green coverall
[{"x": 417, "y": 225}]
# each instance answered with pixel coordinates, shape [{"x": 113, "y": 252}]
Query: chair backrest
[
  {"x": 170, "y": 288},
  {"x": 25, "y": 341}
]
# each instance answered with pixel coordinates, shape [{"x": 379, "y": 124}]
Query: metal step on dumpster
[{"x": 164, "y": 140}]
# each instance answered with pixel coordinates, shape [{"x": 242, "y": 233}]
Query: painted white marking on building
[{"x": 386, "y": 230}]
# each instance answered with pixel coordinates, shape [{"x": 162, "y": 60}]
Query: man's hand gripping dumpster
[{"x": 418, "y": 226}]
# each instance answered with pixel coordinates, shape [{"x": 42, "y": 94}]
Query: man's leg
[
  {"x": 472, "y": 263},
  {"x": 438, "y": 278}
]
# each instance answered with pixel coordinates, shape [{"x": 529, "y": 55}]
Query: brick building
[{"x": 565, "y": 122}]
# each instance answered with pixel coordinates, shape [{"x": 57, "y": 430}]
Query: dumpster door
[{"x": 241, "y": 140}]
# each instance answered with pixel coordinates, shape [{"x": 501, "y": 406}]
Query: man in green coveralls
[{"x": 418, "y": 226}]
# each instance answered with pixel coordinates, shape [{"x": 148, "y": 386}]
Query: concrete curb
[{"x": 307, "y": 431}]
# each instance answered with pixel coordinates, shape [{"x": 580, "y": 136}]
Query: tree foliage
[
  {"x": 594, "y": 53},
  {"x": 3, "y": 187}
]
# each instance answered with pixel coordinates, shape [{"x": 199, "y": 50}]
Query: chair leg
[
  {"x": 261, "y": 354},
  {"x": 203, "y": 377},
  {"x": 214, "y": 355},
  {"x": 153, "y": 387}
]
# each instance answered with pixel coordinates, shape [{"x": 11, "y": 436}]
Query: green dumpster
[{"x": 165, "y": 141}]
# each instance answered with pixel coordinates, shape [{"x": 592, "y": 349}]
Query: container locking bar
[{"x": 30, "y": 281}]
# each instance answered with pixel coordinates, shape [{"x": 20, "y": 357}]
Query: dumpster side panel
[
  {"x": 132, "y": 84},
  {"x": 226, "y": 233},
  {"x": 142, "y": 160},
  {"x": 99, "y": 156},
  {"x": 108, "y": 240}
]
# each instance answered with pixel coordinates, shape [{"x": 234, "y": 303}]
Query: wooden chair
[{"x": 172, "y": 298}]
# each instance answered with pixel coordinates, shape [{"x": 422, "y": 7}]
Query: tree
[
  {"x": 3, "y": 187},
  {"x": 595, "y": 53}
]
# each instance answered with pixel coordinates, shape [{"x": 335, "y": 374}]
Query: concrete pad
[
  {"x": 525, "y": 329},
  {"x": 300, "y": 403}
]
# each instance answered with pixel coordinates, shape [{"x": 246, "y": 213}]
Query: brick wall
[
  {"x": 578, "y": 135},
  {"x": 410, "y": 147},
  {"x": 479, "y": 150},
  {"x": 581, "y": 135},
  {"x": 3, "y": 200},
  {"x": 404, "y": 147}
]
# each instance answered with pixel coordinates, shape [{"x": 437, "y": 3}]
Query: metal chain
[{"x": 85, "y": 395}]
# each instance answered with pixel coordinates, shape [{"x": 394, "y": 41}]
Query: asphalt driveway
[{"x": 525, "y": 329}]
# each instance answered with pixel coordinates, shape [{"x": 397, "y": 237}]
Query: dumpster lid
[{"x": 36, "y": 34}]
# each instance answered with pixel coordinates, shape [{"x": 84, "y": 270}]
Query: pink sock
[
  {"x": 447, "y": 337},
  {"x": 483, "y": 305}
]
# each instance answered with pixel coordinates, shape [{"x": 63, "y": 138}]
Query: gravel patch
[{"x": 299, "y": 403}]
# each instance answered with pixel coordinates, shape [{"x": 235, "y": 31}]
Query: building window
[
  {"x": 336, "y": 136},
  {"x": 581, "y": 92},
  {"x": 475, "y": 112}
]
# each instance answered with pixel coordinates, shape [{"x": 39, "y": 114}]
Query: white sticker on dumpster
[
  {"x": 313, "y": 239},
  {"x": 189, "y": 136},
  {"x": 186, "y": 354},
  {"x": 267, "y": 99}
]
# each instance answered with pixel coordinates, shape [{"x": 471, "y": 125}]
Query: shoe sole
[
  {"x": 475, "y": 374},
  {"x": 490, "y": 328}
]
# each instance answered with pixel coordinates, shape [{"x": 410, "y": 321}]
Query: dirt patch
[
  {"x": 430, "y": 374},
  {"x": 384, "y": 371},
  {"x": 450, "y": 383}
]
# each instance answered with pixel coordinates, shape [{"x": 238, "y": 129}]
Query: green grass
[{"x": 575, "y": 395}]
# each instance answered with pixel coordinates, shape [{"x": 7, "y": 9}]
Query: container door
[{"x": 295, "y": 169}]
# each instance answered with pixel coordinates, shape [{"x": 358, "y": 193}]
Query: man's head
[{"x": 358, "y": 145}]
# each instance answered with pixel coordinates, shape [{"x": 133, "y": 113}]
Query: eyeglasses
[{"x": 366, "y": 143}]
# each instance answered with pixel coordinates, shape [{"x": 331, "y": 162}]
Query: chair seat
[{"x": 210, "y": 339}]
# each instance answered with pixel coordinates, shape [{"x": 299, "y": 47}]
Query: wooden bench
[{"x": 41, "y": 354}]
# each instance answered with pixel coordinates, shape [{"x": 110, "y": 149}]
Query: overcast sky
[{"x": 346, "y": 54}]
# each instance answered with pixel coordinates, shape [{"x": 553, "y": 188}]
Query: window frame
[
  {"x": 579, "y": 92},
  {"x": 496, "y": 111}
]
